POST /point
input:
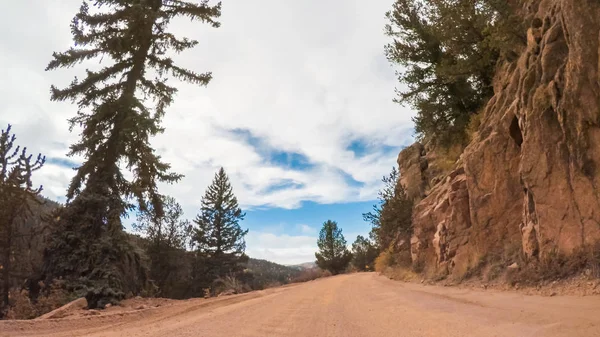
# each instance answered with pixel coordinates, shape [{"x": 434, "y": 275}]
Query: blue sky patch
[
  {"x": 248, "y": 137},
  {"x": 62, "y": 162},
  {"x": 293, "y": 160},
  {"x": 362, "y": 148},
  {"x": 311, "y": 214},
  {"x": 270, "y": 154},
  {"x": 359, "y": 148},
  {"x": 284, "y": 185},
  {"x": 350, "y": 180}
]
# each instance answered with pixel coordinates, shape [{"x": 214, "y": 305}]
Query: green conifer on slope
[
  {"x": 219, "y": 239},
  {"x": 446, "y": 52},
  {"x": 333, "y": 254},
  {"x": 364, "y": 253},
  {"x": 117, "y": 120}
]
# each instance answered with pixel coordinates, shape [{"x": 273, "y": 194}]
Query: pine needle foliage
[
  {"x": 447, "y": 51},
  {"x": 219, "y": 238},
  {"x": 120, "y": 107},
  {"x": 333, "y": 254},
  {"x": 364, "y": 253},
  {"x": 391, "y": 219}
]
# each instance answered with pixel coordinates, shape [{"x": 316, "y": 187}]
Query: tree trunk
[{"x": 6, "y": 265}]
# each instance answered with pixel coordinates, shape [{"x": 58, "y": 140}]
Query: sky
[{"x": 299, "y": 112}]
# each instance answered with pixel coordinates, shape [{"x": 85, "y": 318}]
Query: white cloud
[
  {"x": 305, "y": 229},
  {"x": 303, "y": 76},
  {"x": 307, "y": 77},
  {"x": 284, "y": 249}
]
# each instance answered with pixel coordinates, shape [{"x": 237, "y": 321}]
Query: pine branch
[{"x": 71, "y": 57}]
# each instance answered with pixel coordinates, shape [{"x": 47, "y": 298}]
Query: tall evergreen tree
[
  {"x": 447, "y": 51},
  {"x": 120, "y": 107},
  {"x": 219, "y": 238},
  {"x": 391, "y": 219},
  {"x": 16, "y": 194},
  {"x": 333, "y": 254},
  {"x": 364, "y": 253}
]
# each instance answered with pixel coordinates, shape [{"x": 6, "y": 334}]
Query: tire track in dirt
[{"x": 354, "y": 305}]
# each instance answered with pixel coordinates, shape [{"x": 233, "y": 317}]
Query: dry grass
[
  {"x": 22, "y": 307},
  {"x": 474, "y": 267},
  {"x": 555, "y": 266},
  {"x": 398, "y": 265},
  {"x": 401, "y": 274},
  {"x": 489, "y": 265},
  {"x": 390, "y": 258},
  {"x": 311, "y": 274},
  {"x": 446, "y": 157},
  {"x": 384, "y": 261},
  {"x": 473, "y": 126},
  {"x": 494, "y": 265},
  {"x": 230, "y": 284},
  {"x": 551, "y": 266}
]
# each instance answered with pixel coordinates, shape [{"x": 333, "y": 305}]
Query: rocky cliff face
[{"x": 530, "y": 178}]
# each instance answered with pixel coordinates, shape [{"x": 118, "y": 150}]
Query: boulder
[{"x": 63, "y": 311}]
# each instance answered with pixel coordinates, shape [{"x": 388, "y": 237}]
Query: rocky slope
[{"x": 528, "y": 181}]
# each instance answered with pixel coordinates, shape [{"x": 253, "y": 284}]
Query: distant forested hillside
[
  {"x": 305, "y": 265},
  {"x": 266, "y": 273},
  {"x": 29, "y": 249}
]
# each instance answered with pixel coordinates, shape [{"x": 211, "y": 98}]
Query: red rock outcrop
[{"x": 531, "y": 174}]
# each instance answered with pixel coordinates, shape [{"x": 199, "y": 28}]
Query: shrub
[
  {"x": 384, "y": 260},
  {"x": 311, "y": 274},
  {"x": 401, "y": 274},
  {"x": 473, "y": 126},
  {"x": 391, "y": 258},
  {"x": 230, "y": 284},
  {"x": 556, "y": 265},
  {"x": 273, "y": 284},
  {"x": 447, "y": 156},
  {"x": 23, "y": 307},
  {"x": 398, "y": 265}
]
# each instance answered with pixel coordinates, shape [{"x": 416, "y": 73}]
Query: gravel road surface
[{"x": 355, "y": 305}]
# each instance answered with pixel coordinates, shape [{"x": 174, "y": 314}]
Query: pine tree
[
  {"x": 166, "y": 240},
  {"x": 391, "y": 220},
  {"x": 363, "y": 254},
  {"x": 333, "y": 254},
  {"x": 447, "y": 52},
  {"x": 120, "y": 108},
  {"x": 16, "y": 195},
  {"x": 219, "y": 239}
]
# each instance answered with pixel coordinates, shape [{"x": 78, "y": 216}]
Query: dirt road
[{"x": 344, "y": 306}]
